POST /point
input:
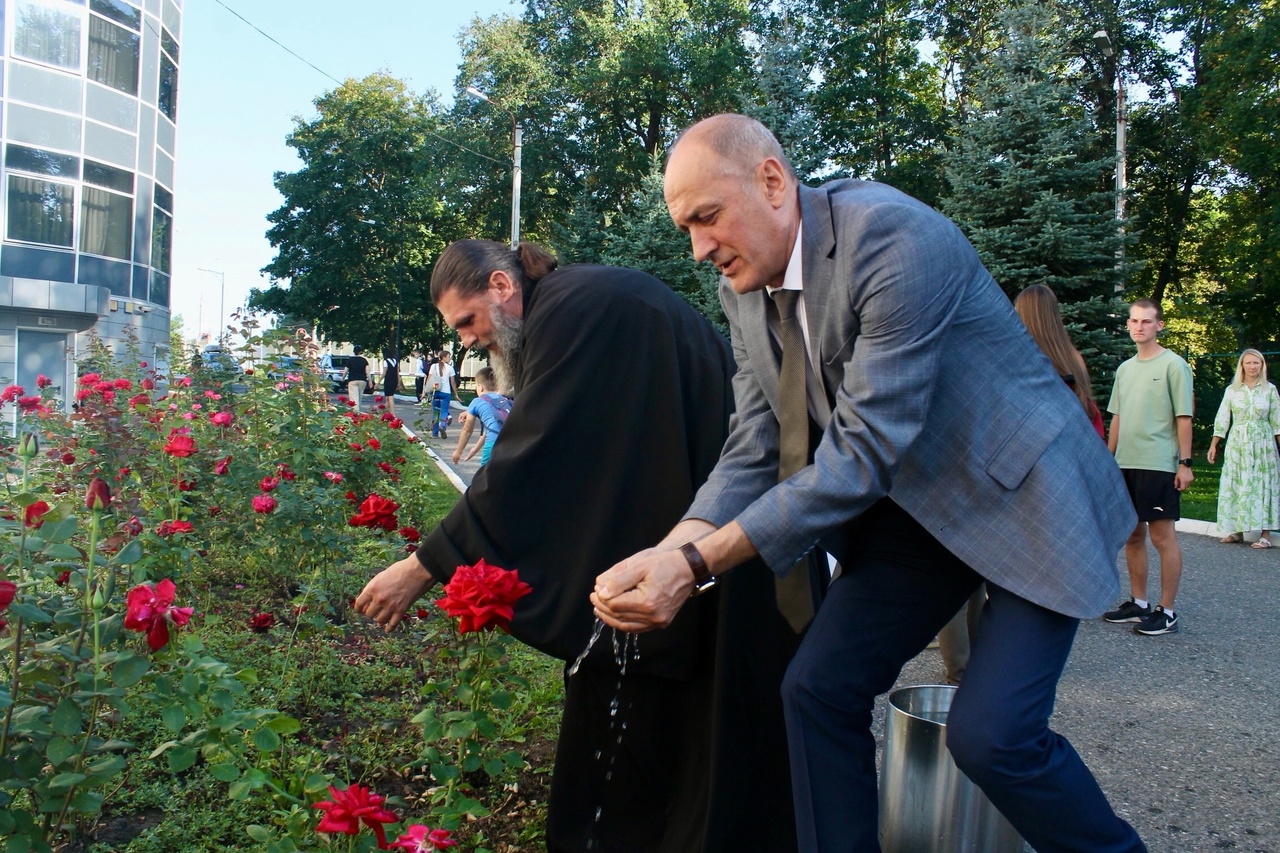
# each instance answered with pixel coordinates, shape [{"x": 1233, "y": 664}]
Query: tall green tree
[
  {"x": 1025, "y": 191},
  {"x": 646, "y": 239},
  {"x": 879, "y": 104},
  {"x": 781, "y": 97},
  {"x": 362, "y": 218}
]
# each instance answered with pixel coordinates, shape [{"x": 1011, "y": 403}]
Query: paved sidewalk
[{"x": 1183, "y": 730}]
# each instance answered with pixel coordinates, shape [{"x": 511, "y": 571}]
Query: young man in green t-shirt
[{"x": 1151, "y": 407}]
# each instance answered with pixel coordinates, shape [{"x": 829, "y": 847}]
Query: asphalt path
[{"x": 1182, "y": 731}]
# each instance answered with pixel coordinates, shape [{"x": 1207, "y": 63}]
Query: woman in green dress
[{"x": 1249, "y": 493}]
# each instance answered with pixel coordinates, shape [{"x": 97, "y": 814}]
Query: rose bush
[{"x": 109, "y": 531}]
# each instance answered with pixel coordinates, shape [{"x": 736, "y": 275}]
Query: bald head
[
  {"x": 738, "y": 144},
  {"x": 732, "y": 190}
]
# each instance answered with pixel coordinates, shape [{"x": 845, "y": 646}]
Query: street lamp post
[
  {"x": 1103, "y": 42},
  {"x": 517, "y": 144},
  {"x": 222, "y": 301}
]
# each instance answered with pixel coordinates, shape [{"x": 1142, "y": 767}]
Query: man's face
[
  {"x": 740, "y": 222},
  {"x": 1143, "y": 325},
  {"x": 472, "y": 317}
]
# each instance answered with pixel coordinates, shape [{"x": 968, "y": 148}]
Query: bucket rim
[{"x": 911, "y": 687}]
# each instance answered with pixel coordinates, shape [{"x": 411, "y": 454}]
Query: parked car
[
  {"x": 215, "y": 359},
  {"x": 335, "y": 371},
  {"x": 278, "y": 366}
]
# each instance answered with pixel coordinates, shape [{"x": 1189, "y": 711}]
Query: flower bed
[{"x": 176, "y": 570}]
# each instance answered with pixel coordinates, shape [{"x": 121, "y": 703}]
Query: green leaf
[
  {"x": 500, "y": 699},
  {"x": 66, "y": 780},
  {"x": 87, "y": 802},
  {"x": 225, "y": 772},
  {"x": 174, "y": 718},
  {"x": 283, "y": 724},
  {"x": 316, "y": 783},
  {"x": 62, "y": 551},
  {"x": 29, "y": 613},
  {"x": 513, "y": 759},
  {"x": 266, "y": 740},
  {"x": 129, "y": 554},
  {"x": 128, "y": 671},
  {"x": 494, "y": 766},
  {"x": 239, "y": 790},
  {"x": 181, "y": 758},
  {"x": 66, "y": 718},
  {"x": 60, "y": 749},
  {"x": 106, "y": 766},
  {"x": 259, "y": 834}
]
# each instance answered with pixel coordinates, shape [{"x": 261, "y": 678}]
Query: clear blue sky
[{"x": 239, "y": 95}]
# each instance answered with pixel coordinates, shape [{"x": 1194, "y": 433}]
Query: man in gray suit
[{"x": 950, "y": 453}]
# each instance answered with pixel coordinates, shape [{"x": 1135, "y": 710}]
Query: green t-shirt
[{"x": 1149, "y": 396}]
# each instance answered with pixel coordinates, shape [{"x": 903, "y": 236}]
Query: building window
[
  {"x": 47, "y": 32},
  {"x": 113, "y": 55},
  {"x": 118, "y": 11},
  {"x": 167, "y": 100},
  {"x": 24, "y": 159},
  {"x": 40, "y": 211},
  {"x": 106, "y": 223},
  {"x": 161, "y": 240}
]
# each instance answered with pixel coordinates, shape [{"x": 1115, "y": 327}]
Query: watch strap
[{"x": 703, "y": 580}]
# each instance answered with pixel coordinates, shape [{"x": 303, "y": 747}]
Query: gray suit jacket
[{"x": 942, "y": 401}]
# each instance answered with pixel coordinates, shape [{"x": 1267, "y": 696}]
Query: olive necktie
[{"x": 795, "y": 601}]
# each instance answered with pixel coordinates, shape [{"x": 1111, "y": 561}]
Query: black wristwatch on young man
[{"x": 1186, "y": 461}]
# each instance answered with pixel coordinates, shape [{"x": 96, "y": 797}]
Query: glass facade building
[{"x": 88, "y": 124}]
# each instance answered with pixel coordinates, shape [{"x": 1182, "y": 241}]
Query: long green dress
[{"x": 1249, "y": 493}]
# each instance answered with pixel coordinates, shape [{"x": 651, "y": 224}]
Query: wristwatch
[
  {"x": 703, "y": 580},
  {"x": 1186, "y": 462}
]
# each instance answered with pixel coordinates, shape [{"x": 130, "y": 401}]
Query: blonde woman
[{"x": 1249, "y": 491}]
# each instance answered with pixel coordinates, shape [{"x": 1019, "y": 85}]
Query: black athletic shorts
[{"x": 1153, "y": 493}]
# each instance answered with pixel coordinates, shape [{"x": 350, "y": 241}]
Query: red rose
[
  {"x": 8, "y": 589},
  {"x": 169, "y": 527},
  {"x": 179, "y": 445},
  {"x": 375, "y": 512},
  {"x": 222, "y": 466},
  {"x": 222, "y": 419},
  {"x": 99, "y": 495},
  {"x": 352, "y": 807},
  {"x": 261, "y": 623},
  {"x": 482, "y": 597},
  {"x": 374, "y": 444},
  {"x": 410, "y": 533},
  {"x": 268, "y": 483},
  {"x": 33, "y": 515},
  {"x": 264, "y": 504},
  {"x": 150, "y": 609},
  {"x": 43, "y": 381}
]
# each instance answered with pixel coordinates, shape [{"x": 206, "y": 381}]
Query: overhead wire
[{"x": 324, "y": 73}]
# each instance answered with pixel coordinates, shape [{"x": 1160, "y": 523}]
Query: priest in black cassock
[{"x": 623, "y": 402}]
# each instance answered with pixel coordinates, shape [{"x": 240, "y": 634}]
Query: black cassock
[{"x": 623, "y": 403}]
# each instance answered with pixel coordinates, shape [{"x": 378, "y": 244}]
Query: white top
[{"x": 441, "y": 374}]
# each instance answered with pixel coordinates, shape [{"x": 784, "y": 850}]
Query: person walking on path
[
  {"x": 419, "y": 375},
  {"x": 1249, "y": 420},
  {"x": 357, "y": 370},
  {"x": 490, "y": 410},
  {"x": 1151, "y": 407},
  {"x": 442, "y": 379},
  {"x": 948, "y": 453},
  {"x": 391, "y": 379}
]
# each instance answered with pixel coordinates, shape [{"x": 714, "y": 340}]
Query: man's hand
[
  {"x": 644, "y": 591},
  {"x": 387, "y": 597},
  {"x": 1183, "y": 478}
]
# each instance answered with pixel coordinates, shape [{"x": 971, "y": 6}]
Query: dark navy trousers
[{"x": 899, "y": 587}]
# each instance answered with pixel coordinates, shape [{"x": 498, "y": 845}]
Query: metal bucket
[{"x": 926, "y": 804}]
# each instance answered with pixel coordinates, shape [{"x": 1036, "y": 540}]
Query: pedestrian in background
[
  {"x": 1249, "y": 420},
  {"x": 357, "y": 371},
  {"x": 1151, "y": 408}
]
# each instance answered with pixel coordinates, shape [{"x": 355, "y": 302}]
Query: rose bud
[{"x": 99, "y": 495}]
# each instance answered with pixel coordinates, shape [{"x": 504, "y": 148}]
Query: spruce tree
[
  {"x": 1025, "y": 189},
  {"x": 646, "y": 239}
]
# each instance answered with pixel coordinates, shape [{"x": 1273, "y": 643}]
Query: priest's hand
[
  {"x": 387, "y": 597},
  {"x": 644, "y": 591}
]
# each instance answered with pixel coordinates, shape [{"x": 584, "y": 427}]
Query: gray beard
[{"x": 507, "y": 358}]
